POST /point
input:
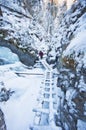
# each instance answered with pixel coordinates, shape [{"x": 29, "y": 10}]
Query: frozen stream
[
  {"x": 7, "y": 57},
  {"x": 18, "y": 110}
]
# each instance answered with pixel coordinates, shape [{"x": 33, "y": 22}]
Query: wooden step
[{"x": 46, "y": 128}]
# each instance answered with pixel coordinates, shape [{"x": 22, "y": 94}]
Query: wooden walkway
[{"x": 47, "y": 101}]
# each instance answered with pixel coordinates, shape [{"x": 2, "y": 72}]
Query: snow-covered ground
[{"x": 18, "y": 109}]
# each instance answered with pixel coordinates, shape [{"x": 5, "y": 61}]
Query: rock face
[
  {"x": 4, "y": 96},
  {"x": 2, "y": 121},
  {"x": 25, "y": 57},
  {"x": 73, "y": 107},
  {"x": 22, "y": 32},
  {"x": 72, "y": 68}
]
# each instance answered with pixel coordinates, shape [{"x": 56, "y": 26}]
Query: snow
[
  {"x": 78, "y": 44},
  {"x": 81, "y": 125},
  {"x": 77, "y": 48},
  {"x": 27, "y": 31},
  {"x": 13, "y": 5},
  {"x": 18, "y": 110}
]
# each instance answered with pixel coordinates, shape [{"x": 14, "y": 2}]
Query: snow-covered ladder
[{"x": 47, "y": 104}]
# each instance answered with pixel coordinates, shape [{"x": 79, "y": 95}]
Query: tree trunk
[{"x": 0, "y": 12}]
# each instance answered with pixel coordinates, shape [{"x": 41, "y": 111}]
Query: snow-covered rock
[{"x": 72, "y": 65}]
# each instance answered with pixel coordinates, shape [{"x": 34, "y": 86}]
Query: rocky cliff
[
  {"x": 2, "y": 121},
  {"x": 70, "y": 47}
]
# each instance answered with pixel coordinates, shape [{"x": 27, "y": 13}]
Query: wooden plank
[
  {"x": 41, "y": 110},
  {"x": 46, "y": 128},
  {"x": 28, "y": 73}
]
